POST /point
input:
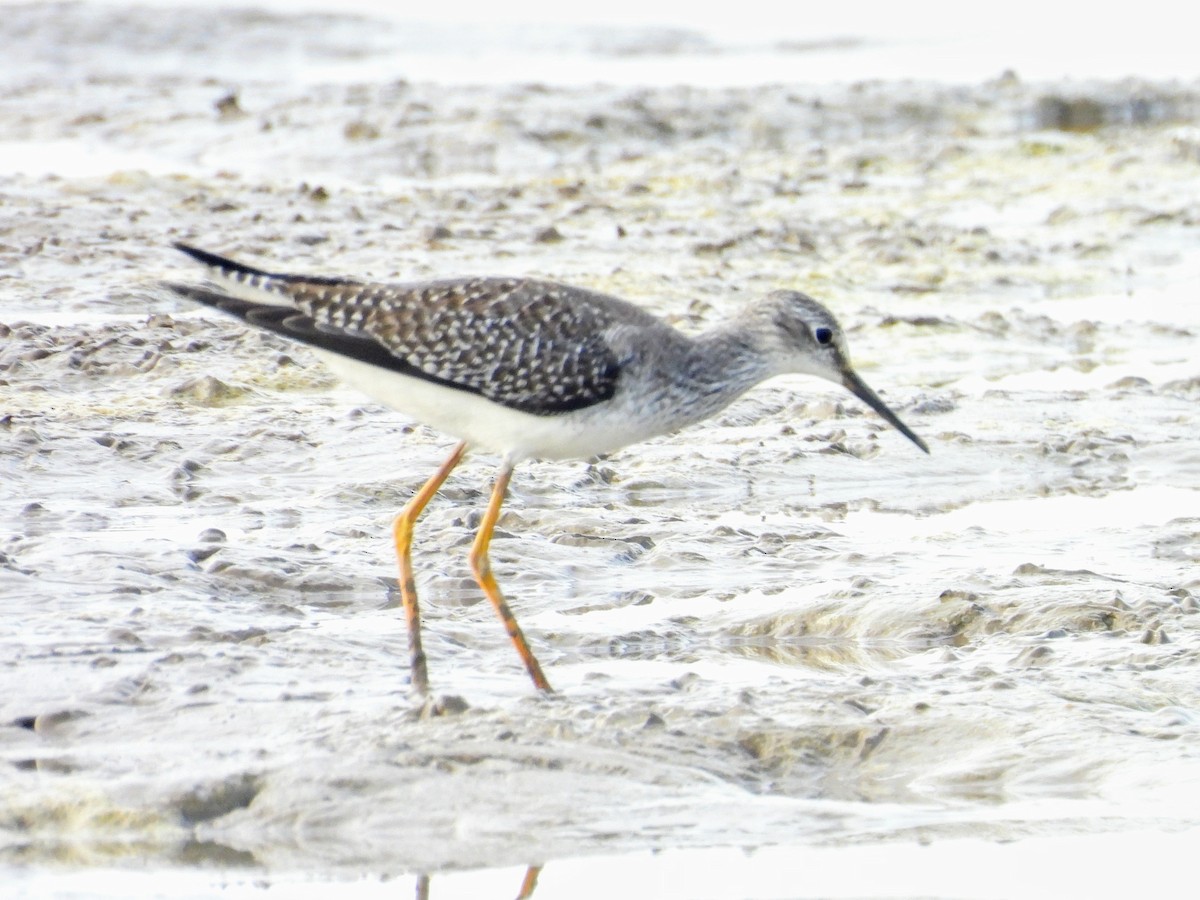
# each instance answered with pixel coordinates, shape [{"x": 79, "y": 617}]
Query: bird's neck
[{"x": 717, "y": 367}]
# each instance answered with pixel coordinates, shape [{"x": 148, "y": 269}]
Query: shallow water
[{"x": 785, "y": 632}]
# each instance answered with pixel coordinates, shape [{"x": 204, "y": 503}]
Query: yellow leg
[
  {"x": 530, "y": 882},
  {"x": 482, "y": 567},
  {"x": 402, "y": 530}
]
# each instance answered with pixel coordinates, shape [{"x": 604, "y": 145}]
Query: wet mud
[{"x": 783, "y": 626}]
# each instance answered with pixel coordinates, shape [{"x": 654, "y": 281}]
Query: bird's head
[{"x": 802, "y": 336}]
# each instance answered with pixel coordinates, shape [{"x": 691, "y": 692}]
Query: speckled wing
[
  {"x": 528, "y": 345},
  {"x": 534, "y": 346}
]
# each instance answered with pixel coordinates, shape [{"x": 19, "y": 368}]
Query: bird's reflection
[{"x": 528, "y": 884}]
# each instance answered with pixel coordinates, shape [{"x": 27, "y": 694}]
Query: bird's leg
[
  {"x": 482, "y": 567},
  {"x": 402, "y": 529},
  {"x": 530, "y": 882}
]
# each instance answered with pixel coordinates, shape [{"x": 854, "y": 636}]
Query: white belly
[{"x": 481, "y": 423}]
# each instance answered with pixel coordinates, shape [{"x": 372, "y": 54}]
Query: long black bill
[{"x": 859, "y": 389}]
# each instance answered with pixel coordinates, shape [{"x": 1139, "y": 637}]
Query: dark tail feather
[
  {"x": 284, "y": 320},
  {"x": 232, "y": 305},
  {"x": 219, "y": 262},
  {"x": 242, "y": 272},
  {"x": 293, "y": 324}
]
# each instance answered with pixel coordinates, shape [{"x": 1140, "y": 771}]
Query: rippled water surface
[{"x": 785, "y": 643}]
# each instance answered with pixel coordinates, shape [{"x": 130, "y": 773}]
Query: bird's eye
[{"x": 823, "y": 336}]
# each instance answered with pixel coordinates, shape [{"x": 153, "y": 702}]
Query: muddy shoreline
[{"x": 783, "y": 626}]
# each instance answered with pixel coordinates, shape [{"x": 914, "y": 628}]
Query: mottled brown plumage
[{"x": 530, "y": 345}]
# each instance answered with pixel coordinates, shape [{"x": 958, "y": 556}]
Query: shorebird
[{"x": 527, "y": 369}]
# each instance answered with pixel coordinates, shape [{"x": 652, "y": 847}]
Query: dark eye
[{"x": 823, "y": 335}]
